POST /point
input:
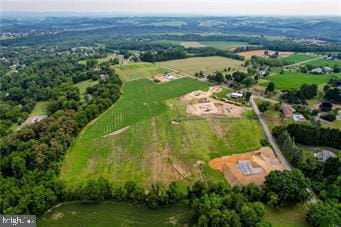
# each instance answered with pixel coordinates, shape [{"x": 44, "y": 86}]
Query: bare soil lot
[
  {"x": 259, "y": 53},
  {"x": 263, "y": 158},
  {"x": 201, "y": 103}
]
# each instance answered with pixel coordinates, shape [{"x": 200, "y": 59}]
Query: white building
[{"x": 236, "y": 95}]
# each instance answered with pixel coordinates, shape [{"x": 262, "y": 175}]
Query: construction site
[
  {"x": 247, "y": 168},
  {"x": 201, "y": 103}
]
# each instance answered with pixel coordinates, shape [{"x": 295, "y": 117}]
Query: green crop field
[
  {"x": 324, "y": 62},
  {"x": 296, "y": 79},
  {"x": 205, "y": 64},
  {"x": 82, "y": 86},
  {"x": 114, "y": 214},
  {"x": 138, "y": 70},
  {"x": 40, "y": 108},
  {"x": 154, "y": 148},
  {"x": 295, "y": 58}
]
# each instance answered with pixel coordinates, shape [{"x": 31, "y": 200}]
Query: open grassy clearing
[
  {"x": 223, "y": 93},
  {"x": 295, "y": 58},
  {"x": 287, "y": 217},
  {"x": 40, "y": 108},
  {"x": 135, "y": 71},
  {"x": 205, "y": 64},
  {"x": 273, "y": 118},
  {"x": 101, "y": 214},
  {"x": 223, "y": 45},
  {"x": 162, "y": 142},
  {"x": 83, "y": 85},
  {"x": 289, "y": 80},
  {"x": 100, "y": 60},
  {"x": 324, "y": 62}
]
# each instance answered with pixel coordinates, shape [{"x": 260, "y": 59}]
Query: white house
[
  {"x": 236, "y": 95},
  {"x": 317, "y": 70}
]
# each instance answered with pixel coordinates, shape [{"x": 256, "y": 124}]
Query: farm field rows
[
  {"x": 161, "y": 144},
  {"x": 101, "y": 214},
  {"x": 289, "y": 80},
  {"x": 205, "y": 64},
  {"x": 138, "y": 70}
]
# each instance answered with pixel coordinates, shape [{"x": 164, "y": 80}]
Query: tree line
[
  {"x": 31, "y": 157},
  {"x": 324, "y": 177}
]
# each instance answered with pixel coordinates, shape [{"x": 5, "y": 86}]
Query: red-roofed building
[{"x": 287, "y": 110}]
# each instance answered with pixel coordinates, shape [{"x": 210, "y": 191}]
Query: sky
[{"x": 180, "y": 7}]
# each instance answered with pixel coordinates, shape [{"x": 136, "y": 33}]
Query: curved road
[{"x": 268, "y": 134}]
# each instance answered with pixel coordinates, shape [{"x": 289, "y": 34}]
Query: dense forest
[{"x": 30, "y": 157}]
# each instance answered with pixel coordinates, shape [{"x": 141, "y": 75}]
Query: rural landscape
[{"x": 171, "y": 121}]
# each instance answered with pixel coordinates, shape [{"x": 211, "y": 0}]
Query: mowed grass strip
[
  {"x": 289, "y": 80},
  {"x": 141, "y": 99},
  {"x": 205, "y": 64},
  {"x": 135, "y": 71},
  {"x": 101, "y": 214}
]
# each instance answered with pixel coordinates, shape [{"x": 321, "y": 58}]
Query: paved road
[
  {"x": 268, "y": 134},
  {"x": 275, "y": 147}
]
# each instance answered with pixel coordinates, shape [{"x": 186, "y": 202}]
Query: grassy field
[
  {"x": 295, "y": 58},
  {"x": 287, "y": 217},
  {"x": 138, "y": 70},
  {"x": 296, "y": 79},
  {"x": 154, "y": 148},
  {"x": 40, "y": 108},
  {"x": 194, "y": 44},
  {"x": 205, "y": 64},
  {"x": 114, "y": 214},
  {"x": 82, "y": 86},
  {"x": 223, "y": 45},
  {"x": 101, "y": 214},
  {"x": 324, "y": 62},
  {"x": 100, "y": 60}
]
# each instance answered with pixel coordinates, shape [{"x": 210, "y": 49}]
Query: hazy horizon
[{"x": 175, "y": 7}]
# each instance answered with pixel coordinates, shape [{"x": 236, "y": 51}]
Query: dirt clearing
[
  {"x": 247, "y": 168},
  {"x": 260, "y": 53},
  {"x": 201, "y": 103}
]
